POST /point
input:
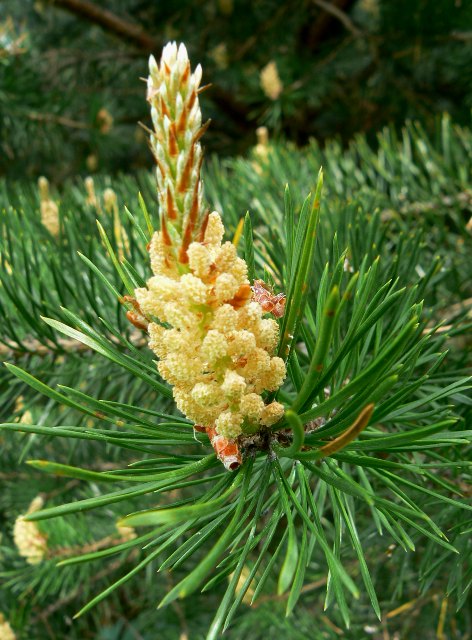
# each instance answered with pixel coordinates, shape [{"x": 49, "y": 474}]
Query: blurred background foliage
[
  {"x": 326, "y": 76},
  {"x": 410, "y": 203},
  {"x": 70, "y": 95}
]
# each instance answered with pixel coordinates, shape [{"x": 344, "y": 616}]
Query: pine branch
[
  {"x": 335, "y": 10},
  {"x": 109, "y": 21},
  {"x": 320, "y": 29},
  {"x": 359, "y": 343},
  {"x": 235, "y": 109},
  {"x": 56, "y": 119},
  {"x": 71, "y": 596}
]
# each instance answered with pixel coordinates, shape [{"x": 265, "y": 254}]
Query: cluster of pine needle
[{"x": 354, "y": 504}]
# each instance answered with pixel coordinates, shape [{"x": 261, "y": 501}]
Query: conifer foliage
[{"x": 346, "y": 414}]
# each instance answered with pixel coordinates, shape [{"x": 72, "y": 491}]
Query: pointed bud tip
[{"x": 153, "y": 68}]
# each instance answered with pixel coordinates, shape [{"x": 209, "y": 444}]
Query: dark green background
[{"x": 377, "y": 61}]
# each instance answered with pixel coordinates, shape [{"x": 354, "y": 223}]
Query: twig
[
  {"x": 420, "y": 601},
  {"x": 311, "y": 586},
  {"x": 58, "y": 604},
  {"x": 63, "y": 488},
  {"x": 449, "y": 314},
  {"x": 178, "y": 610},
  {"x": 109, "y": 21},
  {"x": 332, "y": 626},
  {"x": 108, "y": 541},
  {"x": 52, "y": 117},
  {"x": 32, "y": 346},
  {"x": 440, "y": 635},
  {"x": 132, "y": 32},
  {"x": 320, "y": 27},
  {"x": 338, "y": 13}
]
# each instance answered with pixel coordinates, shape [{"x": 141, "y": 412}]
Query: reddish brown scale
[
  {"x": 191, "y": 221},
  {"x": 204, "y": 88},
  {"x": 193, "y": 215},
  {"x": 227, "y": 450},
  {"x": 243, "y": 294},
  {"x": 171, "y": 210},
  {"x": 212, "y": 276},
  {"x": 173, "y": 146},
  {"x": 136, "y": 317},
  {"x": 167, "y": 68},
  {"x": 200, "y": 132},
  {"x": 164, "y": 108},
  {"x": 161, "y": 167},
  {"x": 137, "y": 320},
  {"x": 184, "y": 181},
  {"x": 165, "y": 233},
  {"x": 182, "y": 123},
  {"x": 183, "y": 255},
  {"x": 191, "y": 100},
  {"x": 203, "y": 226},
  {"x": 199, "y": 428},
  {"x": 132, "y": 301},
  {"x": 185, "y": 74},
  {"x": 270, "y": 303}
]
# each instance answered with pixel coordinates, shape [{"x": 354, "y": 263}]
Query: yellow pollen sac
[
  {"x": 218, "y": 357},
  {"x": 156, "y": 339},
  {"x": 243, "y": 343},
  {"x": 193, "y": 288},
  {"x": 226, "y": 287},
  {"x": 214, "y": 346},
  {"x": 30, "y": 542},
  {"x": 272, "y": 413},
  {"x": 206, "y": 393},
  {"x": 226, "y": 257},
  {"x": 228, "y": 424},
  {"x": 268, "y": 334},
  {"x": 252, "y": 406},
  {"x": 233, "y": 386},
  {"x": 50, "y": 216},
  {"x": 6, "y": 632},
  {"x": 225, "y": 318},
  {"x": 178, "y": 315},
  {"x": 239, "y": 269},
  {"x": 163, "y": 286},
  {"x": 251, "y": 313},
  {"x": 215, "y": 230},
  {"x": 199, "y": 259},
  {"x": 276, "y": 374}
]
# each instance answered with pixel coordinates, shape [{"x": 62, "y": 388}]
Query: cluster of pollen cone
[{"x": 205, "y": 325}]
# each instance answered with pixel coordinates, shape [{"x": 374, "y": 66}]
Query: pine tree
[{"x": 371, "y": 449}]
